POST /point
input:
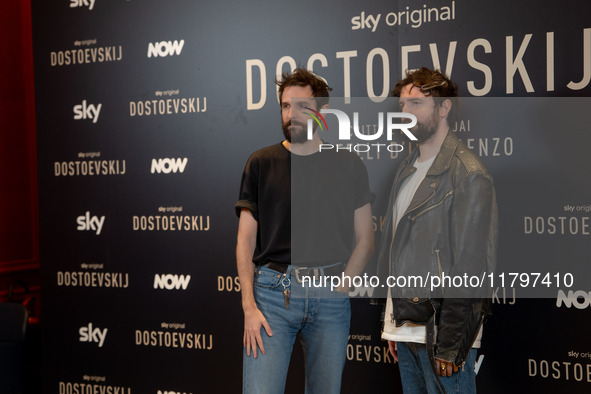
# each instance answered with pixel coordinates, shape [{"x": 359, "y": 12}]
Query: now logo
[
  {"x": 579, "y": 299},
  {"x": 165, "y": 48},
  {"x": 170, "y": 392},
  {"x": 167, "y": 166},
  {"x": 171, "y": 282},
  {"x": 362, "y": 291}
]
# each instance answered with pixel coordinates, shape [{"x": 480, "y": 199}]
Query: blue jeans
[
  {"x": 418, "y": 377},
  {"x": 323, "y": 323}
]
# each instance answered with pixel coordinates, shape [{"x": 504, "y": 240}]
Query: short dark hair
[
  {"x": 433, "y": 83},
  {"x": 303, "y": 77}
]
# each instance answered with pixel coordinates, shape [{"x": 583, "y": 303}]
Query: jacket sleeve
[{"x": 473, "y": 234}]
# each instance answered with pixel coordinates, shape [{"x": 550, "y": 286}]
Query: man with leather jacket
[{"x": 442, "y": 223}]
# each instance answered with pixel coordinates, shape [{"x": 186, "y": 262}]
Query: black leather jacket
[{"x": 450, "y": 228}]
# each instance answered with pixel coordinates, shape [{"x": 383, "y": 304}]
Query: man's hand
[
  {"x": 393, "y": 350},
  {"x": 364, "y": 246},
  {"x": 343, "y": 289},
  {"x": 253, "y": 318},
  {"x": 253, "y": 321},
  {"x": 445, "y": 368}
]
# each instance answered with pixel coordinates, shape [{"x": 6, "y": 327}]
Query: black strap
[
  {"x": 281, "y": 268},
  {"x": 335, "y": 269}
]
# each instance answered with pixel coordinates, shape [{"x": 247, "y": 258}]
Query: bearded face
[
  {"x": 426, "y": 129},
  {"x": 294, "y": 131},
  {"x": 294, "y": 101},
  {"x": 427, "y": 111}
]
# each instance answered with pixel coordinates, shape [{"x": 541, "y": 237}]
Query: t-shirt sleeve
[
  {"x": 363, "y": 192},
  {"x": 248, "y": 196}
]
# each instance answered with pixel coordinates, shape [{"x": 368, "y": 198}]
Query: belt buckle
[{"x": 314, "y": 270}]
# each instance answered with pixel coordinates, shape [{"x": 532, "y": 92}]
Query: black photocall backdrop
[{"x": 147, "y": 112}]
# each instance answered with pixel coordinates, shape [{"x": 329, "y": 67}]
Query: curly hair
[
  {"x": 432, "y": 83},
  {"x": 302, "y": 77}
]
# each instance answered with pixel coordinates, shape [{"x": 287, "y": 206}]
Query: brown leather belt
[
  {"x": 299, "y": 272},
  {"x": 281, "y": 268}
]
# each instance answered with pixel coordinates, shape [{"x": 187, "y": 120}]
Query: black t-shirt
[
  {"x": 265, "y": 191},
  {"x": 304, "y": 205}
]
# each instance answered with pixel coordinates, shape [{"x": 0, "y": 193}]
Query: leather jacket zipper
[
  {"x": 474, "y": 340},
  {"x": 390, "y": 251},
  {"x": 423, "y": 203},
  {"x": 440, "y": 270},
  {"x": 413, "y": 218}
]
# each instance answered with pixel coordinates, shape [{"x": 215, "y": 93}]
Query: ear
[{"x": 444, "y": 108}]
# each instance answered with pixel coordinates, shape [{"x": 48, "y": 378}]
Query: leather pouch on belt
[{"x": 415, "y": 310}]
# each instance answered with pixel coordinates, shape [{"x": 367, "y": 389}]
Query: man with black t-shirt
[{"x": 303, "y": 213}]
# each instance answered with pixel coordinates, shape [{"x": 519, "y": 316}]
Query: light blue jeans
[
  {"x": 323, "y": 323},
  {"x": 418, "y": 377}
]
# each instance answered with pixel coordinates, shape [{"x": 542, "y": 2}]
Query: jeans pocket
[{"x": 267, "y": 278}]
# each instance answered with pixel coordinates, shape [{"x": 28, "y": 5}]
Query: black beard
[
  {"x": 423, "y": 132},
  {"x": 300, "y": 134}
]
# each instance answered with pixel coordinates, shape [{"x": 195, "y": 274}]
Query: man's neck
[
  {"x": 306, "y": 148},
  {"x": 431, "y": 147}
]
